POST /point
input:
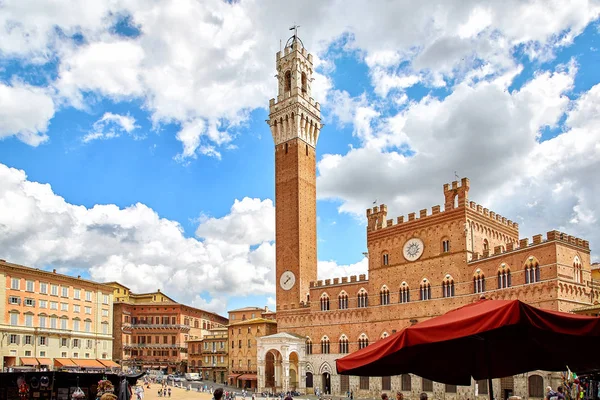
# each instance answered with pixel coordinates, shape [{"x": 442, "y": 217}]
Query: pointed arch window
[
  {"x": 486, "y": 245},
  {"x": 343, "y": 301},
  {"x": 324, "y": 302},
  {"x": 287, "y": 86},
  {"x": 363, "y": 298},
  {"x": 344, "y": 349},
  {"x": 448, "y": 286},
  {"x": 577, "y": 270},
  {"x": 325, "y": 345},
  {"x": 304, "y": 83},
  {"x": 425, "y": 290},
  {"x": 363, "y": 341},
  {"x": 446, "y": 246},
  {"x": 404, "y": 293},
  {"x": 478, "y": 282},
  {"x": 384, "y": 296},
  {"x": 532, "y": 270},
  {"x": 504, "y": 277},
  {"x": 308, "y": 346}
]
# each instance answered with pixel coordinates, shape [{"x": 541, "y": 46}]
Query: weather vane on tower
[{"x": 295, "y": 29}]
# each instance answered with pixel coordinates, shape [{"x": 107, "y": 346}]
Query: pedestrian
[
  {"x": 169, "y": 391},
  {"x": 218, "y": 394},
  {"x": 160, "y": 392},
  {"x": 399, "y": 396},
  {"x": 352, "y": 395},
  {"x": 423, "y": 396}
]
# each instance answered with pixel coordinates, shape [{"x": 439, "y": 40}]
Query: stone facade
[{"x": 420, "y": 266}]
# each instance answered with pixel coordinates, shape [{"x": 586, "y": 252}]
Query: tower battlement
[{"x": 456, "y": 196}]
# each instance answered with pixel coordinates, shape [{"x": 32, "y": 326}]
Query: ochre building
[
  {"x": 151, "y": 330},
  {"x": 246, "y": 326},
  {"x": 50, "y": 320},
  {"x": 210, "y": 356},
  {"x": 420, "y": 266}
]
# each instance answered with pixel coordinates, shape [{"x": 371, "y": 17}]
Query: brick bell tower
[{"x": 295, "y": 122}]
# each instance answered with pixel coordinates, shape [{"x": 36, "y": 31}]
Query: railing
[{"x": 158, "y": 326}]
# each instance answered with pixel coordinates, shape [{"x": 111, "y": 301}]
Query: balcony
[{"x": 152, "y": 346}]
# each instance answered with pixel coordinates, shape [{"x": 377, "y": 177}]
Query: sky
[{"x": 133, "y": 142}]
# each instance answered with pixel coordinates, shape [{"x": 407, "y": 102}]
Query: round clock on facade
[
  {"x": 287, "y": 280},
  {"x": 413, "y": 249}
]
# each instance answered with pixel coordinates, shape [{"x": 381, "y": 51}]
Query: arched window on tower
[
  {"x": 425, "y": 290},
  {"x": 404, "y": 293},
  {"x": 325, "y": 345},
  {"x": 384, "y": 296},
  {"x": 532, "y": 270},
  {"x": 343, "y": 301},
  {"x": 478, "y": 282},
  {"x": 304, "y": 83},
  {"x": 344, "y": 345},
  {"x": 287, "y": 85},
  {"x": 362, "y": 298},
  {"x": 448, "y": 286},
  {"x": 486, "y": 245},
  {"x": 504, "y": 278},
  {"x": 324, "y": 302}
]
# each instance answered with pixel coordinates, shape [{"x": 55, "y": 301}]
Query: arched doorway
[
  {"x": 309, "y": 380},
  {"x": 273, "y": 370},
  {"x": 326, "y": 378},
  {"x": 294, "y": 384}
]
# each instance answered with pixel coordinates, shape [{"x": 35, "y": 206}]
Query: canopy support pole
[{"x": 488, "y": 362}]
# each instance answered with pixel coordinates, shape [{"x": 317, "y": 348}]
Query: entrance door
[{"x": 326, "y": 383}]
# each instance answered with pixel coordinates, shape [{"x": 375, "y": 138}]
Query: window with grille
[
  {"x": 404, "y": 294},
  {"x": 324, "y": 303},
  {"x": 325, "y": 346},
  {"x": 536, "y": 386},
  {"x": 386, "y": 383},
  {"x": 406, "y": 383},
  {"x": 364, "y": 383},
  {"x": 446, "y": 246},
  {"x": 427, "y": 385}
]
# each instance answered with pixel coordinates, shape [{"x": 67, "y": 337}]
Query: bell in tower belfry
[{"x": 295, "y": 122}]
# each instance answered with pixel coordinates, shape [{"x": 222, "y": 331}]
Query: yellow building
[{"x": 52, "y": 320}]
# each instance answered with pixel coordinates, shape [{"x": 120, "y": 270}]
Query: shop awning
[
  {"x": 247, "y": 377},
  {"x": 29, "y": 361},
  {"x": 88, "y": 363},
  {"x": 233, "y": 376},
  {"x": 109, "y": 363},
  {"x": 64, "y": 362},
  {"x": 44, "y": 361}
]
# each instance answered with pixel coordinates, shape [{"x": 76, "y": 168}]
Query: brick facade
[{"x": 463, "y": 251}]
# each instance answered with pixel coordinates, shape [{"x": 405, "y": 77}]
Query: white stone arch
[
  {"x": 288, "y": 361},
  {"x": 325, "y": 368}
]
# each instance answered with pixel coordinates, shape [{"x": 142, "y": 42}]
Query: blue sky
[{"x": 156, "y": 127}]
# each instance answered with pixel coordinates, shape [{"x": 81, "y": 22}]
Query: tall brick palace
[{"x": 420, "y": 266}]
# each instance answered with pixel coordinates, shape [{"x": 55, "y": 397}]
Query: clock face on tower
[
  {"x": 413, "y": 249},
  {"x": 287, "y": 280}
]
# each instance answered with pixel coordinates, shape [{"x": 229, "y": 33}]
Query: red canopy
[{"x": 486, "y": 339}]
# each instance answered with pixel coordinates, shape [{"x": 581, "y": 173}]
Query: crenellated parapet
[
  {"x": 478, "y": 208},
  {"x": 456, "y": 195},
  {"x": 338, "y": 281},
  {"x": 551, "y": 236}
]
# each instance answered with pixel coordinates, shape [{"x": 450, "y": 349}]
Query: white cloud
[
  {"x": 137, "y": 247},
  {"x": 111, "y": 126},
  {"x": 25, "y": 112},
  {"x": 331, "y": 269},
  {"x": 493, "y": 137},
  {"x": 213, "y": 60}
]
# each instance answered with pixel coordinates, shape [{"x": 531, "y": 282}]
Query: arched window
[
  {"x": 384, "y": 296},
  {"x": 324, "y": 302},
  {"x": 504, "y": 279},
  {"x": 385, "y": 259},
  {"x": 425, "y": 290},
  {"x": 448, "y": 286},
  {"x": 384, "y": 335},
  {"x": 304, "y": 83},
  {"x": 404, "y": 293},
  {"x": 363, "y": 298},
  {"x": 577, "y": 275},
  {"x": 486, "y": 245},
  {"x": 343, "y": 301},
  {"x": 536, "y": 386},
  {"x": 308, "y": 346},
  {"x": 344, "y": 345},
  {"x": 478, "y": 282},
  {"x": 325, "y": 345},
  {"x": 288, "y": 81},
  {"x": 532, "y": 270},
  {"x": 363, "y": 341},
  {"x": 445, "y": 246}
]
